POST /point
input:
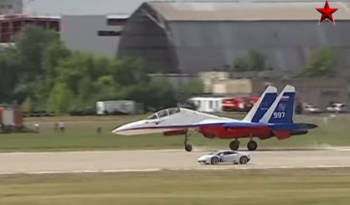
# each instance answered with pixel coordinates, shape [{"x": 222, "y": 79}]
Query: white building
[
  {"x": 97, "y": 34},
  {"x": 207, "y": 104},
  {"x": 11, "y": 6}
]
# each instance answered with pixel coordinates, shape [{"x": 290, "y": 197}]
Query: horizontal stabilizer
[{"x": 307, "y": 126}]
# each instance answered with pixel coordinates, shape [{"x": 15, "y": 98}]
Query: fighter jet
[{"x": 271, "y": 116}]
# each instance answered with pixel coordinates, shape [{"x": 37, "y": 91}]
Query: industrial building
[
  {"x": 192, "y": 37},
  {"x": 318, "y": 92},
  {"x": 11, "y": 25},
  {"x": 97, "y": 34}
]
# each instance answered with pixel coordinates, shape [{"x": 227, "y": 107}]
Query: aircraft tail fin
[
  {"x": 262, "y": 105},
  {"x": 282, "y": 109}
]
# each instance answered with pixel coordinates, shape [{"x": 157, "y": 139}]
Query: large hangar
[{"x": 192, "y": 37}]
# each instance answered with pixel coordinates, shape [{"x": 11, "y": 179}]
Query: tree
[
  {"x": 27, "y": 105},
  {"x": 240, "y": 65},
  {"x": 254, "y": 61},
  {"x": 257, "y": 61},
  {"x": 155, "y": 94},
  {"x": 194, "y": 87},
  {"x": 321, "y": 62},
  {"x": 60, "y": 99},
  {"x": 129, "y": 72},
  {"x": 43, "y": 75},
  {"x": 9, "y": 68},
  {"x": 31, "y": 45},
  {"x": 21, "y": 66},
  {"x": 54, "y": 53}
]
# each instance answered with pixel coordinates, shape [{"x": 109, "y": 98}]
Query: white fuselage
[{"x": 167, "y": 120}]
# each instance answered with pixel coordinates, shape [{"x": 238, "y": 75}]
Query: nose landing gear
[{"x": 188, "y": 147}]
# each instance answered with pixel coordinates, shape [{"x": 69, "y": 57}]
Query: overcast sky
[{"x": 80, "y": 7}]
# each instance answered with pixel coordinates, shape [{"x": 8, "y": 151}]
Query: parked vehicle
[
  {"x": 241, "y": 104},
  {"x": 125, "y": 107},
  {"x": 225, "y": 156},
  {"x": 11, "y": 119},
  {"x": 336, "y": 107},
  {"x": 311, "y": 109}
]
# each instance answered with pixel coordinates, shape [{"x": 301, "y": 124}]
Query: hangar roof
[{"x": 233, "y": 11}]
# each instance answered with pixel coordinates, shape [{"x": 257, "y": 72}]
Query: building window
[
  {"x": 109, "y": 33},
  {"x": 116, "y": 22},
  {"x": 210, "y": 104}
]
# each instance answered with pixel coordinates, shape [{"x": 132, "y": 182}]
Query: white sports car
[{"x": 225, "y": 156}]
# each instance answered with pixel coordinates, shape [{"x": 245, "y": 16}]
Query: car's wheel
[
  {"x": 214, "y": 160},
  {"x": 234, "y": 145},
  {"x": 252, "y": 145},
  {"x": 243, "y": 160},
  {"x": 188, "y": 148}
]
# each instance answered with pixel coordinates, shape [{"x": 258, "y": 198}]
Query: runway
[{"x": 156, "y": 160}]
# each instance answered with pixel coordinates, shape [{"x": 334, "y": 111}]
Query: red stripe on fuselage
[{"x": 235, "y": 132}]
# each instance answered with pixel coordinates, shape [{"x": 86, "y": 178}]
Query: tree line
[
  {"x": 39, "y": 73},
  {"x": 42, "y": 75},
  {"x": 321, "y": 62}
]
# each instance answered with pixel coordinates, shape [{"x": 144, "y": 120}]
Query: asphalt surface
[{"x": 155, "y": 160}]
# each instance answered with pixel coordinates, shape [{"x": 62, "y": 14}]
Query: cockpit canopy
[{"x": 164, "y": 113}]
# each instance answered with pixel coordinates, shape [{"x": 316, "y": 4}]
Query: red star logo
[{"x": 326, "y": 12}]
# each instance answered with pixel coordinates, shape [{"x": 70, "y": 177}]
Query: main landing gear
[
  {"x": 234, "y": 145},
  {"x": 252, "y": 145},
  {"x": 188, "y": 147}
]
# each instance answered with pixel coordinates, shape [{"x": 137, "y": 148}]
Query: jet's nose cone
[
  {"x": 128, "y": 129},
  {"x": 117, "y": 130},
  {"x": 121, "y": 129}
]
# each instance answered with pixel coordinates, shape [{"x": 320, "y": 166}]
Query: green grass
[
  {"x": 290, "y": 187},
  {"x": 81, "y": 135}
]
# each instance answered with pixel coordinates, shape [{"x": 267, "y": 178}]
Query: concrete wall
[
  {"x": 197, "y": 46},
  {"x": 11, "y": 6},
  {"x": 208, "y": 78},
  {"x": 80, "y": 33},
  {"x": 233, "y": 87},
  {"x": 210, "y": 45}
]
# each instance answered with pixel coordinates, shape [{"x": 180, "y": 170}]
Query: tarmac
[{"x": 157, "y": 160}]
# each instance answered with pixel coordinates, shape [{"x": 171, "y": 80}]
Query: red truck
[{"x": 239, "y": 104}]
